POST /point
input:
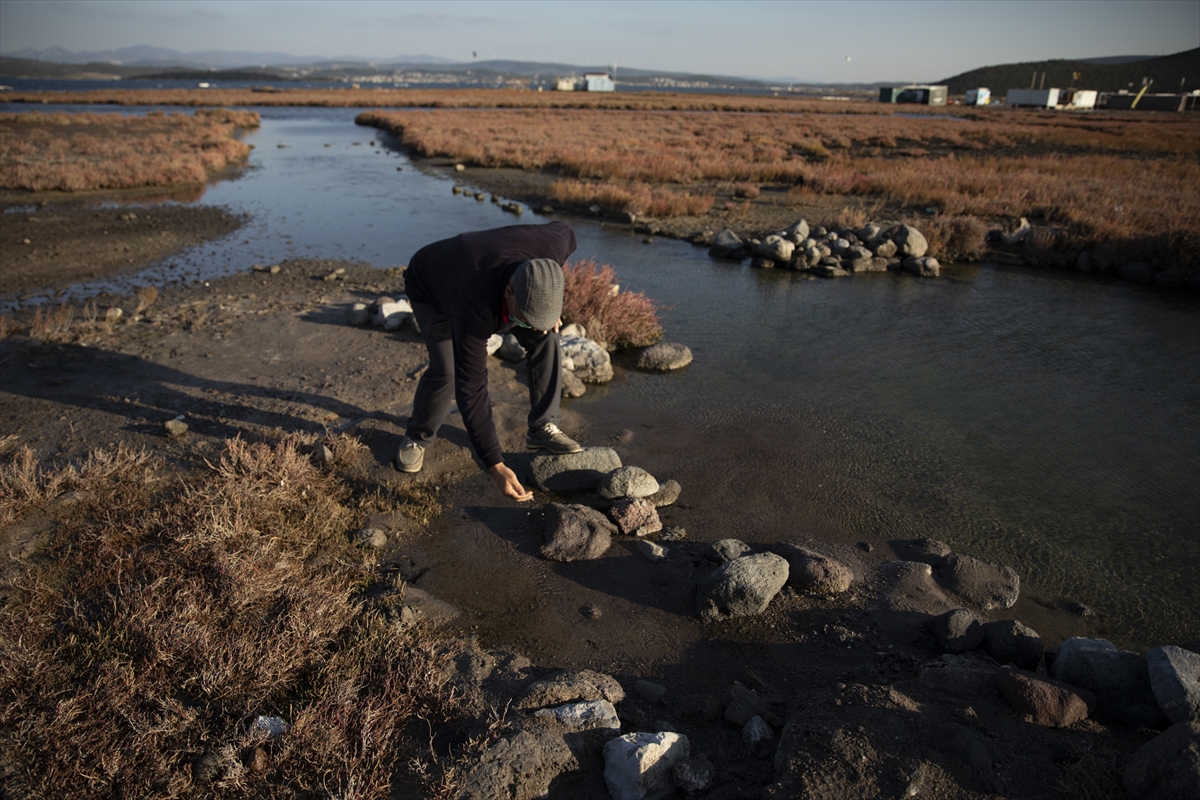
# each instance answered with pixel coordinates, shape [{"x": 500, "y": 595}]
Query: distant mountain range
[
  {"x": 1106, "y": 73},
  {"x": 1169, "y": 73}
]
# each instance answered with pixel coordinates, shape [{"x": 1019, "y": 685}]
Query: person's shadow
[{"x": 148, "y": 394}]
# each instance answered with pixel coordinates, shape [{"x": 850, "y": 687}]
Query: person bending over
[{"x": 463, "y": 290}]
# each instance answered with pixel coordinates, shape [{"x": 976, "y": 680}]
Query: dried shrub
[
  {"x": 7, "y": 326},
  {"x": 747, "y": 190},
  {"x": 628, "y": 319},
  {"x": 850, "y": 218},
  {"x": 176, "y": 609},
  {"x": 51, "y": 326},
  {"x": 955, "y": 238},
  {"x": 146, "y": 295},
  {"x": 638, "y": 198}
]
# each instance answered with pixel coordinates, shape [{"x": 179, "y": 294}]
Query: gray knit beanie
[{"x": 538, "y": 285}]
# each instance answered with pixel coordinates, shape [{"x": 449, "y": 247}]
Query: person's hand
[
  {"x": 558, "y": 325},
  {"x": 507, "y": 482}
]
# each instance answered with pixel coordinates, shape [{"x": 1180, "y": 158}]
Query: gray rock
[
  {"x": 1175, "y": 680},
  {"x": 868, "y": 232},
  {"x": 744, "y": 704},
  {"x": 672, "y": 533},
  {"x": 729, "y": 549},
  {"x": 764, "y": 263},
  {"x": 910, "y": 242},
  {"x": 1010, "y": 642},
  {"x": 927, "y": 551},
  {"x": 909, "y": 586},
  {"x": 572, "y": 386},
  {"x": 652, "y": 552},
  {"x": 810, "y": 572},
  {"x": 858, "y": 265},
  {"x": 776, "y": 248},
  {"x": 511, "y": 349},
  {"x": 358, "y": 314},
  {"x": 1167, "y": 767},
  {"x": 667, "y": 494},
  {"x": 1173, "y": 278},
  {"x": 841, "y": 247},
  {"x": 369, "y": 537},
  {"x": 742, "y": 587},
  {"x": 957, "y": 631},
  {"x": 570, "y": 686},
  {"x": 574, "y": 472},
  {"x": 650, "y": 692},
  {"x": 573, "y": 329},
  {"x": 885, "y": 248},
  {"x": 725, "y": 244},
  {"x": 757, "y": 734},
  {"x": 830, "y": 271},
  {"x": 175, "y": 428},
  {"x": 575, "y": 533},
  {"x": 1137, "y": 271},
  {"x": 588, "y": 715},
  {"x": 695, "y": 774},
  {"x": 519, "y": 767},
  {"x": 627, "y": 482},
  {"x": 592, "y": 362},
  {"x": 640, "y": 766},
  {"x": 922, "y": 266},
  {"x": 799, "y": 229},
  {"x": 983, "y": 585},
  {"x": 1119, "y": 679},
  {"x": 664, "y": 357},
  {"x": 635, "y": 516},
  {"x": 958, "y": 677},
  {"x": 1048, "y": 702}
]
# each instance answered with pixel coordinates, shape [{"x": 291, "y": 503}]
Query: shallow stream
[{"x": 1046, "y": 420}]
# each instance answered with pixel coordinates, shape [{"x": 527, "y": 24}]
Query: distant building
[
  {"x": 1052, "y": 98},
  {"x": 921, "y": 94},
  {"x": 598, "y": 82},
  {"x": 565, "y": 85},
  {"x": 978, "y": 97}
]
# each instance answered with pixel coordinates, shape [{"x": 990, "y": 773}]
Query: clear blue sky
[{"x": 816, "y": 41}]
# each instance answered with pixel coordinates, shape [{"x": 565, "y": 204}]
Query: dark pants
[{"x": 435, "y": 391}]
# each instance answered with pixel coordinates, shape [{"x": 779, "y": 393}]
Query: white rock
[
  {"x": 592, "y": 362},
  {"x": 386, "y": 310},
  {"x": 638, "y": 766},
  {"x": 493, "y": 343}
]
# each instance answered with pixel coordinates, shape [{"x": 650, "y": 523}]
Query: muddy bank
[
  {"x": 51, "y": 241},
  {"x": 258, "y": 353}
]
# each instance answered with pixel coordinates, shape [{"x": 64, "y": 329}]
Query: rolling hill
[{"x": 1167, "y": 72}]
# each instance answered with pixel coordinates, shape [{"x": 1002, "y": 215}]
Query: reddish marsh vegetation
[
  {"x": 1104, "y": 181},
  {"x": 592, "y": 298},
  {"x": 111, "y": 151},
  {"x": 170, "y": 611}
]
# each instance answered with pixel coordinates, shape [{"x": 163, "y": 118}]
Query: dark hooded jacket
[{"x": 463, "y": 277}]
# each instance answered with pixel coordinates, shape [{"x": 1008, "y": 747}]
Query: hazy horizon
[{"x": 830, "y": 42}]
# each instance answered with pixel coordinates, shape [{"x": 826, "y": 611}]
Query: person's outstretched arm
[{"x": 507, "y": 482}]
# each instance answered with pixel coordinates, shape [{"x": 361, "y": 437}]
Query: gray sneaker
[
  {"x": 410, "y": 457},
  {"x": 549, "y": 437}
]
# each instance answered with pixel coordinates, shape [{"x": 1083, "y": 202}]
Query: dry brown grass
[
  {"x": 167, "y": 612},
  {"x": 623, "y": 319},
  {"x": 146, "y": 295},
  {"x": 51, "y": 325},
  {"x": 112, "y": 151},
  {"x": 1106, "y": 181},
  {"x": 635, "y": 198}
]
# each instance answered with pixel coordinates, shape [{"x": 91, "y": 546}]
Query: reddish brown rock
[
  {"x": 635, "y": 517},
  {"x": 1049, "y": 702}
]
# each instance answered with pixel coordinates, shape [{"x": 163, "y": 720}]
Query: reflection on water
[{"x": 1046, "y": 420}]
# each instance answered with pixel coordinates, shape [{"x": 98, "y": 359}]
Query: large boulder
[
  {"x": 627, "y": 482},
  {"x": 1119, "y": 679},
  {"x": 910, "y": 242},
  {"x": 742, "y": 587},
  {"x": 1175, "y": 680},
  {"x": 798, "y": 230},
  {"x": 592, "y": 362},
  {"x": 575, "y": 533},
  {"x": 1048, "y": 702},
  {"x": 1010, "y": 642},
  {"x": 635, "y": 516},
  {"x": 1167, "y": 767},
  {"x": 726, "y": 244},
  {"x": 957, "y": 631},
  {"x": 587, "y": 715},
  {"x": 570, "y": 686},
  {"x": 574, "y": 472},
  {"x": 810, "y": 572},
  {"x": 519, "y": 767},
  {"x": 776, "y": 248},
  {"x": 922, "y": 266},
  {"x": 909, "y": 586},
  {"x": 664, "y": 357},
  {"x": 640, "y": 766},
  {"x": 983, "y": 585}
]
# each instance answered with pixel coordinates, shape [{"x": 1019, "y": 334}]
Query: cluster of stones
[
  {"x": 511, "y": 207},
  {"x": 833, "y": 253},
  {"x": 388, "y": 313},
  {"x": 1026, "y": 246}
]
